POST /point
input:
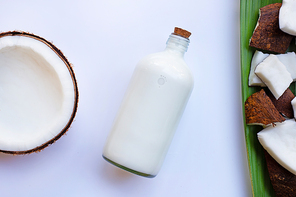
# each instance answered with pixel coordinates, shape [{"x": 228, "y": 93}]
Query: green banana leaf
[{"x": 249, "y": 13}]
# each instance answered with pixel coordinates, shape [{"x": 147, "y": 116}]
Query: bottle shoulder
[
  {"x": 166, "y": 63},
  {"x": 164, "y": 60}
]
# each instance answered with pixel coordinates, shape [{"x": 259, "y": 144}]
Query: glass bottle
[{"x": 151, "y": 109}]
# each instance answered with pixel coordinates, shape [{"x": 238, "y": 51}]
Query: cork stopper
[{"x": 182, "y": 32}]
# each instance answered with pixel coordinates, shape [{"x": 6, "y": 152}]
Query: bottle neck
[{"x": 177, "y": 44}]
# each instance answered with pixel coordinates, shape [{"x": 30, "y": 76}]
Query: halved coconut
[{"x": 38, "y": 93}]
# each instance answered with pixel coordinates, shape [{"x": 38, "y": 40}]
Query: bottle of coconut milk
[{"x": 151, "y": 109}]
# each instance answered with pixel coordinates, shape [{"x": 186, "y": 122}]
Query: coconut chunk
[
  {"x": 280, "y": 142},
  {"x": 257, "y": 58},
  {"x": 293, "y": 103},
  {"x": 259, "y": 110},
  {"x": 288, "y": 59},
  {"x": 287, "y": 16},
  {"x": 274, "y": 74},
  {"x": 267, "y": 34},
  {"x": 283, "y": 104},
  {"x": 283, "y": 181}
]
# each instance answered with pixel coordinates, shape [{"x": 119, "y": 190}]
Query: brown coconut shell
[
  {"x": 260, "y": 110},
  {"x": 283, "y": 104},
  {"x": 76, "y": 93},
  {"x": 267, "y": 35},
  {"x": 283, "y": 181}
]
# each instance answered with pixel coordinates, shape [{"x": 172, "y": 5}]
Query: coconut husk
[
  {"x": 267, "y": 35},
  {"x": 283, "y": 181},
  {"x": 260, "y": 110},
  {"x": 283, "y": 104}
]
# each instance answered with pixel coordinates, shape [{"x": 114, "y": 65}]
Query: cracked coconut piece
[
  {"x": 279, "y": 141},
  {"x": 288, "y": 59},
  {"x": 257, "y": 58},
  {"x": 267, "y": 34},
  {"x": 287, "y": 17},
  {"x": 293, "y": 103},
  {"x": 283, "y": 104},
  {"x": 274, "y": 74},
  {"x": 259, "y": 110},
  {"x": 283, "y": 181}
]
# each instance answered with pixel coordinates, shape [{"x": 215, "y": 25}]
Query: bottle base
[{"x": 128, "y": 169}]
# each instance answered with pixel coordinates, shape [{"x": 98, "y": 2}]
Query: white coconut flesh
[
  {"x": 280, "y": 142},
  {"x": 254, "y": 80},
  {"x": 37, "y": 93},
  {"x": 274, "y": 74},
  {"x": 288, "y": 59},
  {"x": 287, "y": 15}
]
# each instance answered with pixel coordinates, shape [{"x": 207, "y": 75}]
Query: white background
[{"x": 104, "y": 39}]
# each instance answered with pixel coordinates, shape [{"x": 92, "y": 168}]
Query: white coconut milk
[{"x": 150, "y": 111}]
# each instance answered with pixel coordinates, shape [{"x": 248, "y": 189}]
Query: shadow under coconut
[{"x": 8, "y": 157}]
